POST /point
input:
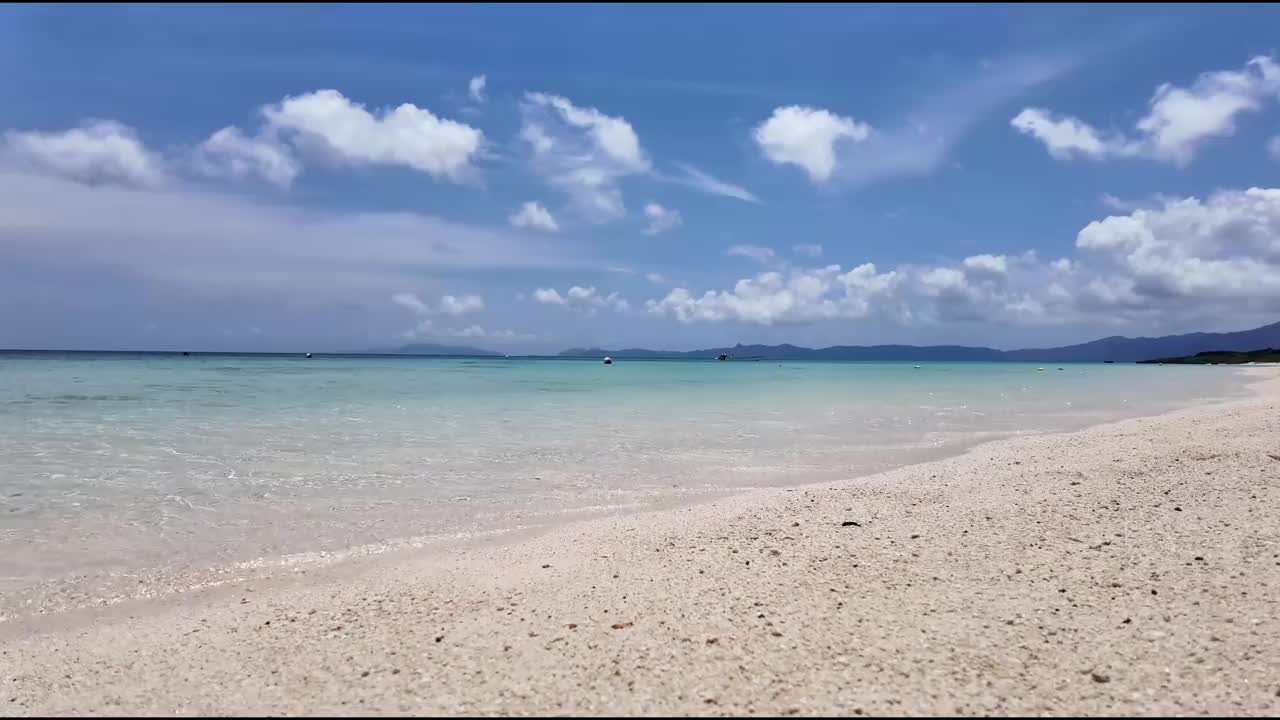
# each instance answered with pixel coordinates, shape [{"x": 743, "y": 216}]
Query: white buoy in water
[
  {"x": 608, "y": 361},
  {"x": 1040, "y": 369},
  {"x": 917, "y": 367}
]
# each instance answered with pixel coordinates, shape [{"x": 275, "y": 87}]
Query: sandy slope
[{"x": 1131, "y": 568}]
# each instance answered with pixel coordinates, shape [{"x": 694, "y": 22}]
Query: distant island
[
  {"x": 1169, "y": 348},
  {"x": 438, "y": 350},
  {"x": 1218, "y": 357},
  {"x": 1113, "y": 349}
]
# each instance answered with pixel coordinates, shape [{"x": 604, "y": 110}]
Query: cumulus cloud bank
[{"x": 1220, "y": 253}]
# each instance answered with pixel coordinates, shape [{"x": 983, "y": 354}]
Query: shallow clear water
[{"x": 116, "y": 466}]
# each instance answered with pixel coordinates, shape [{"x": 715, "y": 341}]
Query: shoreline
[
  {"x": 983, "y": 582},
  {"x": 70, "y": 595}
]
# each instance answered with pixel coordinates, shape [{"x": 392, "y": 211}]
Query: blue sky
[{"x": 338, "y": 177}]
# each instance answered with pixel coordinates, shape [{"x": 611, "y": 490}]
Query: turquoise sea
[{"x": 119, "y": 469}]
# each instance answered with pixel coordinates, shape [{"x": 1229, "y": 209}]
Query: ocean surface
[{"x": 132, "y": 474}]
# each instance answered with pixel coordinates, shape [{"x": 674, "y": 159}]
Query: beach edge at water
[{"x": 1129, "y": 568}]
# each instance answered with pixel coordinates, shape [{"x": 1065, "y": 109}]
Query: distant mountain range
[{"x": 1115, "y": 349}]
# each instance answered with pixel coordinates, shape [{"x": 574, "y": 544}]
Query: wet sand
[{"x": 1132, "y": 568}]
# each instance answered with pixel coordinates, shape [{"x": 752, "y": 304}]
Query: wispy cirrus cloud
[
  {"x": 758, "y": 253},
  {"x": 587, "y": 154},
  {"x": 196, "y": 243},
  {"x": 839, "y": 151},
  {"x": 692, "y": 177}
]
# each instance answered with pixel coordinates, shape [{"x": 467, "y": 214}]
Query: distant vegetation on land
[{"x": 1219, "y": 357}]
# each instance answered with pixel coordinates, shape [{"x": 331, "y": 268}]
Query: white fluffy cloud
[
  {"x": 1181, "y": 119},
  {"x": 1226, "y": 247},
  {"x": 1178, "y": 122},
  {"x": 1111, "y": 202},
  {"x": 812, "y": 250},
  {"x": 99, "y": 151},
  {"x": 907, "y": 294},
  {"x": 412, "y": 302},
  {"x": 807, "y": 137},
  {"x": 326, "y": 125},
  {"x": 660, "y": 219},
  {"x": 549, "y": 296},
  {"x": 991, "y": 264},
  {"x": 461, "y": 305},
  {"x": 612, "y": 136},
  {"x": 426, "y": 329},
  {"x": 230, "y": 154},
  {"x": 477, "y": 332},
  {"x": 584, "y": 299},
  {"x": 1221, "y": 254},
  {"x": 762, "y": 255},
  {"x": 1066, "y": 137},
  {"x": 470, "y": 332},
  {"x": 583, "y": 152},
  {"x": 475, "y": 88},
  {"x": 772, "y": 297},
  {"x": 451, "y": 305},
  {"x": 535, "y": 216}
]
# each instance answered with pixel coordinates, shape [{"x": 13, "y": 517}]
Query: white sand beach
[{"x": 1132, "y": 568}]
